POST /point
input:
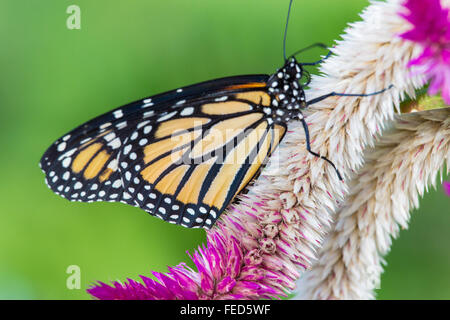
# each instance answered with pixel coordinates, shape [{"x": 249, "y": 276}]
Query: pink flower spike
[
  {"x": 431, "y": 28},
  {"x": 223, "y": 272}
]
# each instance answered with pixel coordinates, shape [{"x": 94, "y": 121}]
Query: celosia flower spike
[{"x": 222, "y": 273}]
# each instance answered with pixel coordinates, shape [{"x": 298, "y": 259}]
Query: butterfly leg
[
  {"x": 318, "y": 61},
  {"x": 331, "y": 94},
  {"x": 335, "y": 94},
  {"x": 308, "y": 146}
]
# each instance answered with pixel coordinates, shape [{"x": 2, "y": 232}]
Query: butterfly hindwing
[{"x": 186, "y": 169}]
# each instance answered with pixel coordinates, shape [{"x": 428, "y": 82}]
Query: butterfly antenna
[
  {"x": 314, "y": 45},
  {"x": 285, "y": 31}
]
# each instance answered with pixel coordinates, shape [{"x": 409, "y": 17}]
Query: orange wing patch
[
  {"x": 156, "y": 149},
  {"x": 96, "y": 165},
  {"x": 229, "y": 107},
  {"x": 257, "y": 162},
  {"x": 84, "y": 157},
  {"x": 154, "y": 171},
  {"x": 105, "y": 175},
  {"x": 247, "y": 86},
  {"x": 191, "y": 190},
  {"x": 170, "y": 182},
  {"x": 278, "y": 133},
  {"x": 257, "y": 97},
  {"x": 223, "y": 132},
  {"x": 221, "y": 184},
  {"x": 172, "y": 126}
]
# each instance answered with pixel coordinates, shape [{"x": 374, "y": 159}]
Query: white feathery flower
[
  {"x": 297, "y": 193},
  {"x": 397, "y": 171}
]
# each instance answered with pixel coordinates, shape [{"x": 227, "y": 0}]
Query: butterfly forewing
[
  {"x": 82, "y": 166},
  {"x": 182, "y": 156}
]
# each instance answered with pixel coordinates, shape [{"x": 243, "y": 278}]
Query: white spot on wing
[
  {"x": 148, "y": 114},
  {"x": 147, "y": 129},
  {"x": 143, "y": 123},
  {"x": 66, "y": 162},
  {"x": 67, "y": 154},
  {"x": 118, "y": 114},
  {"x": 85, "y": 140},
  {"x": 126, "y": 196},
  {"x": 121, "y": 125},
  {"x": 113, "y": 164},
  {"x": 117, "y": 184},
  {"x": 187, "y": 111},
  {"x": 110, "y": 136},
  {"x": 127, "y": 149},
  {"x": 62, "y": 146},
  {"x": 105, "y": 125},
  {"x": 115, "y": 143},
  {"x": 167, "y": 116}
]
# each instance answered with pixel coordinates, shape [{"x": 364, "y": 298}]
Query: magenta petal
[
  {"x": 446, "y": 186},
  {"x": 184, "y": 281},
  {"x": 206, "y": 280},
  {"x": 215, "y": 260},
  {"x": 252, "y": 273},
  {"x": 422, "y": 58},
  {"x": 157, "y": 290},
  {"x": 103, "y": 291},
  {"x": 128, "y": 291},
  {"x": 171, "y": 285},
  {"x": 247, "y": 288},
  {"x": 223, "y": 272},
  {"x": 232, "y": 297},
  {"x": 235, "y": 257},
  {"x": 226, "y": 285},
  {"x": 431, "y": 29}
]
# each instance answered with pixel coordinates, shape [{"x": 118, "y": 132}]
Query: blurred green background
[{"x": 52, "y": 79}]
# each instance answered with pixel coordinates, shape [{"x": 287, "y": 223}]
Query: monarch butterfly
[{"x": 185, "y": 154}]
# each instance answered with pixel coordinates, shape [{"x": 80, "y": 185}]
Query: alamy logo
[
  {"x": 221, "y": 146},
  {"x": 74, "y": 19},
  {"x": 74, "y": 279}
]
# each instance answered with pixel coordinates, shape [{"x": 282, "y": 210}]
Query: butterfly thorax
[{"x": 287, "y": 94}]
